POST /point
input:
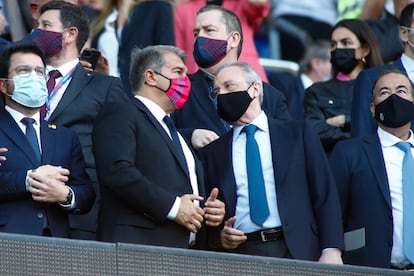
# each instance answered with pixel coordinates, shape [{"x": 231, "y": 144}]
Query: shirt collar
[
  {"x": 306, "y": 81},
  {"x": 65, "y": 68},
  {"x": 389, "y": 140},
  {"x": 154, "y": 108},
  {"x": 260, "y": 122},
  {"x": 407, "y": 63},
  {"x": 17, "y": 116}
]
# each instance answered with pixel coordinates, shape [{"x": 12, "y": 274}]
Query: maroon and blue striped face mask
[
  {"x": 208, "y": 52},
  {"x": 50, "y": 42}
]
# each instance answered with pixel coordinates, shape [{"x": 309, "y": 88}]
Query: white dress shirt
[
  {"x": 262, "y": 136},
  {"x": 393, "y": 157},
  {"x": 57, "y": 96},
  {"x": 408, "y": 64}
]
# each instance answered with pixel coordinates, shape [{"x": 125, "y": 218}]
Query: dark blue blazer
[
  {"x": 363, "y": 123},
  {"x": 19, "y": 213},
  {"x": 200, "y": 112},
  {"x": 292, "y": 88},
  {"x": 307, "y": 198},
  {"x": 359, "y": 170}
]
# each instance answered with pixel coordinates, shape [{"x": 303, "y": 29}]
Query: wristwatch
[{"x": 69, "y": 197}]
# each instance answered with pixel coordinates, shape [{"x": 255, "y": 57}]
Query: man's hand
[
  {"x": 2, "y": 157},
  {"x": 336, "y": 121},
  {"x": 331, "y": 256},
  {"x": 190, "y": 215},
  {"x": 46, "y": 189},
  {"x": 231, "y": 238},
  {"x": 214, "y": 209},
  {"x": 53, "y": 173},
  {"x": 102, "y": 66},
  {"x": 202, "y": 137}
]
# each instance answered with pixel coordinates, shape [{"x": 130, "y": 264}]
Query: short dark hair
[
  {"x": 27, "y": 48},
  {"x": 406, "y": 17},
  {"x": 71, "y": 16},
  {"x": 386, "y": 72},
  {"x": 230, "y": 20},
  {"x": 151, "y": 57}
]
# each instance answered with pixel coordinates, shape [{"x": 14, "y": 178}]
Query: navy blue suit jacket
[
  {"x": 363, "y": 123},
  {"x": 19, "y": 213},
  {"x": 359, "y": 170},
  {"x": 307, "y": 198},
  {"x": 200, "y": 112}
]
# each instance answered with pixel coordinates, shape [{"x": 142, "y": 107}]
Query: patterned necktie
[
  {"x": 259, "y": 209},
  {"x": 50, "y": 84},
  {"x": 32, "y": 136},
  {"x": 176, "y": 140},
  {"x": 408, "y": 199}
]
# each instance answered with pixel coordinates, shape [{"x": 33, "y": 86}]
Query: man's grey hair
[
  {"x": 317, "y": 49},
  {"x": 151, "y": 57}
]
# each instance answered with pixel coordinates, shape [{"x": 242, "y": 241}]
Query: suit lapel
[
  {"x": 281, "y": 147},
  {"x": 80, "y": 79},
  {"x": 226, "y": 174},
  {"x": 162, "y": 132},
  {"x": 10, "y": 128},
  {"x": 48, "y": 141},
  {"x": 372, "y": 149}
]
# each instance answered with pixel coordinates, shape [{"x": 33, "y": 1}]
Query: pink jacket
[{"x": 250, "y": 17}]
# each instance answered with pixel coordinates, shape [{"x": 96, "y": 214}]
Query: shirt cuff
[
  {"x": 172, "y": 214},
  {"x": 27, "y": 180}
]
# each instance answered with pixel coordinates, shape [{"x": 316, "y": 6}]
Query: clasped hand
[{"x": 47, "y": 183}]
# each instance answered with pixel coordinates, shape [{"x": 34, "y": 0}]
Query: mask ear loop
[{"x": 169, "y": 86}]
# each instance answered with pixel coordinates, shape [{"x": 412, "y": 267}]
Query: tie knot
[
  {"x": 250, "y": 129},
  {"x": 167, "y": 120},
  {"x": 28, "y": 121},
  {"x": 54, "y": 74},
  {"x": 404, "y": 146}
]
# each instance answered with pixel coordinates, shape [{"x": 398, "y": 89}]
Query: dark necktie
[
  {"x": 259, "y": 209},
  {"x": 176, "y": 140},
  {"x": 31, "y": 135},
  {"x": 408, "y": 199},
  {"x": 50, "y": 84}
]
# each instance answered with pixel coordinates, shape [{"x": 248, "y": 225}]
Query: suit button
[{"x": 39, "y": 215}]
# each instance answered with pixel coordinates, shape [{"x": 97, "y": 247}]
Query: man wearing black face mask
[
  {"x": 372, "y": 174},
  {"x": 283, "y": 204}
]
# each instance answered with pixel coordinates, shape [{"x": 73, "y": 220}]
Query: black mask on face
[
  {"x": 343, "y": 60},
  {"x": 232, "y": 106},
  {"x": 394, "y": 111}
]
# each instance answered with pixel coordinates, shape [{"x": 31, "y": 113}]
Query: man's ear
[
  {"x": 71, "y": 35},
  {"x": 149, "y": 77},
  {"x": 403, "y": 34},
  {"x": 3, "y": 86},
  {"x": 235, "y": 40}
]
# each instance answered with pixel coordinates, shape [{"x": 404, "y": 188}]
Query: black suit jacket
[
  {"x": 307, "y": 198},
  {"x": 141, "y": 175},
  {"x": 200, "y": 112},
  {"x": 359, "y": 170},
  {"x": 84, "y": 97},
  {"x": 19, "y": 213}
]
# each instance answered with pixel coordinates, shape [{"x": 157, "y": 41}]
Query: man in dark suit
[
  {"x": 218, "y": 40},
  {"x": 368, "y": 172},
  {"x": 151, "y": 184},
  {"x": 40, "y": 182},
  {"x": 78, "y": 94},
  {"x": 303, "y": 219},
  {"x": 362, "y": 122}
]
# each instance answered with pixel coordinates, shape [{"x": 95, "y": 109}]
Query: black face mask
[
  {"x": 232, "y": 106},
  {"x": 394, "y": 111},
  {"x": 343, "y": 60}
]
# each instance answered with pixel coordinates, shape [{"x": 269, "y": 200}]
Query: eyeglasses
[{"x": 25, "y": 71}]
